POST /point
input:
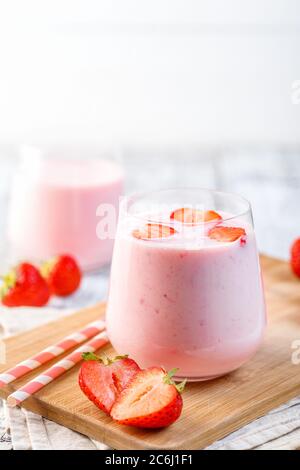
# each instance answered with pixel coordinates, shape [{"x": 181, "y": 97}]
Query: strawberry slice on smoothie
[
  {"x": 227, "y": 234},
  {"x": 151, "y": 231},
  {"x": 187, "y": 215}
]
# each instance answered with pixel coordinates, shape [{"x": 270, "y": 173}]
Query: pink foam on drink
[
  {"x": 54, "y": 210},
  {"x": 187, "y": 301}
]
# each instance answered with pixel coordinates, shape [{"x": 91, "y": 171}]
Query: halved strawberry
[
  {"x": 227, "y": 234},
  {"x": 154, "y": 231},
  {"x": 103, "y": 379},
  {"x": 151, "y": 400},
  {"x": 187, "y": 215}
]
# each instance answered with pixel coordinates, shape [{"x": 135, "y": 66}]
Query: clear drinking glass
[
  {"x": 64, "y": 200},
  {"x": 186, "y": 292}
]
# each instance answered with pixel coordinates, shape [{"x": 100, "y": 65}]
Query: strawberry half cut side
[
  {"x": 187, "y": 215},
  {"x": 151, "y": 400},
  {"x": 102, "y": 379},
  {"x": 227, "y": 234},
  {"x": 151, "y": 231}
]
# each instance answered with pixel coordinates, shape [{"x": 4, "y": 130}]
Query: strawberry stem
[
  {"x": 169, "y": 375},
  {"x": 47, "y": 266},
  {"x": 8, "y": 282},
  {"x": 169, "y": 381},
  {"x": 106, "y": 360},
  {"x": 181, "y": 386},
  {"x": 119, "y": 358},
  {"x": 89, "y": 356}
]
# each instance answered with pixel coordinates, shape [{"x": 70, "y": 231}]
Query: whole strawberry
[
  {"x": 295, "y": 257},
  {"x": 24, "y": 287},
  {"x": 62, "y": 274}
]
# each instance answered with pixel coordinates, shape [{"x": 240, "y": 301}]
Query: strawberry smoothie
[
  {"x": 187, "y": 296},
  {"x": 56, "y": 207}
]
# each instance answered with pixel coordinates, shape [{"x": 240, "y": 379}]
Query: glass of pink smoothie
[
  {"x": 64, "y": 200},
  {"x": 186, "y": 288}
]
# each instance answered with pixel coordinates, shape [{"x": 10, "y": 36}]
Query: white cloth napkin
[{"x": 23, "y": 430}]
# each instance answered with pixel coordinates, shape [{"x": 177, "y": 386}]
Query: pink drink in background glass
[
  {"x": 186, "y": 300},
  {"x": 54, "y": 204}
]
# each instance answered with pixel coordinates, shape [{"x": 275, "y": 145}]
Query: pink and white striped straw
[
  {"x": 69, "y": 342},
  {"x": 55, "y": 371}
]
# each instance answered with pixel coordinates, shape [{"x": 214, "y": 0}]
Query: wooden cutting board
[{"x": 211, "y": 409}]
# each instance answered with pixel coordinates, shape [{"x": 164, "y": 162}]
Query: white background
[{"x": 159, "y": 72}]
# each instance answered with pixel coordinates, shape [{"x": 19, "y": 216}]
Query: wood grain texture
[{"x": 211, "y": 410}]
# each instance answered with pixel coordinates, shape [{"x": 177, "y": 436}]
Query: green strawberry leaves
[
  {"x": 169, "y": 381},
  {"x": 106, "y": 360}
]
